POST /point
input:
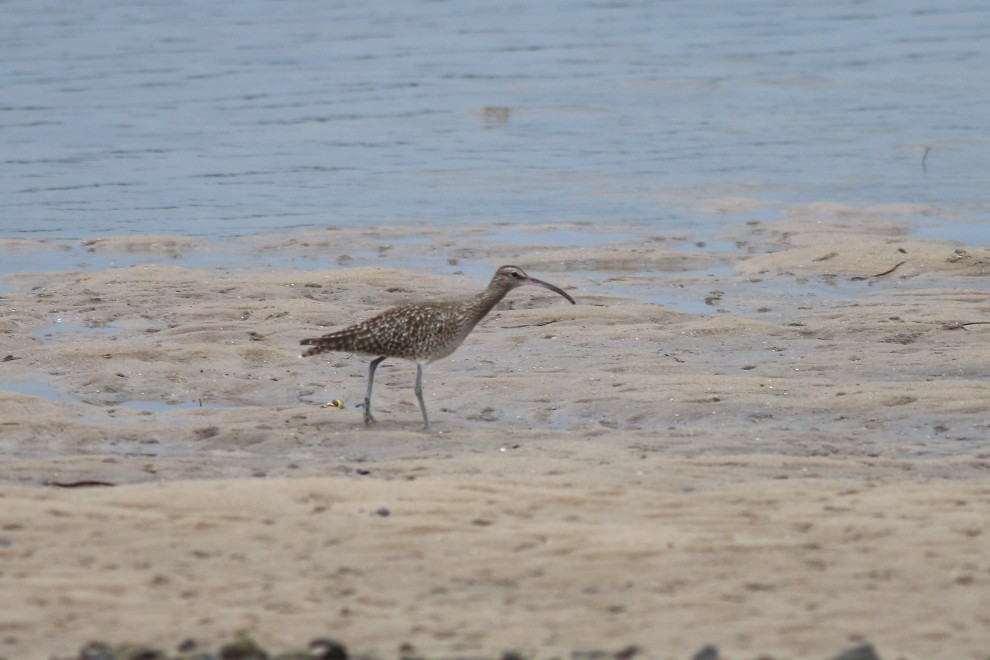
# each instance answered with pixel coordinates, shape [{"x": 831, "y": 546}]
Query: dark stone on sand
[
  {"x": 709, "y": 652},
  {"x": 137, "y": 652},
  {"x": 327, "y": 649},
  {"x": 864, "y": 652},
  {"x": 626, "y": 653},
  {"x": 96, "y": 651},
  {"x": 512, "y": 655},
  {"x": 103, "y": 651},
  {"x": 408, "y": 652},
  {"x": 188, "y": 645},
  {"x": 244, "y": 648}
]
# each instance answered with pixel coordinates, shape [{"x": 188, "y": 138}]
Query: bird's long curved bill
[{"x": 547, "y": 285}]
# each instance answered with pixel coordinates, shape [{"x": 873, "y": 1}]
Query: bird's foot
[{"x": 368, "y": 417}]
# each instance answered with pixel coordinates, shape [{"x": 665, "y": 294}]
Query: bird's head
[{"x": 511, "y": 277}]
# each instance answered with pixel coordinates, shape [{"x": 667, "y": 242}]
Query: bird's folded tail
[
  {"x": 356, "y": 339},
  {"x": 316, "y": 347},
  {"x": 347, "y": 340}
]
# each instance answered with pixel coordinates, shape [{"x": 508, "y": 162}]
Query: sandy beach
[{"x": 776, "y": 445}]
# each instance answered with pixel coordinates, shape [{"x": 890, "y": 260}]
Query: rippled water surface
[{"x": 217, "y": 119}]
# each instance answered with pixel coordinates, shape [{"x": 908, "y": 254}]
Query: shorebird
[{"x": 421, "y": 332}]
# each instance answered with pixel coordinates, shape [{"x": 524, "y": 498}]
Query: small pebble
[{"x": 863, "y": 652}]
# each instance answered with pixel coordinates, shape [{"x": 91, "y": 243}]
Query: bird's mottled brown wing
[{"x": 423, "y": 332}]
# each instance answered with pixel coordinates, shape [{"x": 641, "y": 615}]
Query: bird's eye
[{"x": 516, "y": 274}]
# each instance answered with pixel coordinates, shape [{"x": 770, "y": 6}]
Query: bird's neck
[{"x": 486, "y": 300}]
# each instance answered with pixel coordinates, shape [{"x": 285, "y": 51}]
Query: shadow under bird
[{"x": 422, "y": 332}]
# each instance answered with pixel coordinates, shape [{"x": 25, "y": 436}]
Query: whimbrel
[{"x": 421, "y": 332}]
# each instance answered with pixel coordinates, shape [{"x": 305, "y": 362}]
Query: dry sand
[{"x": 775, "y": 448}]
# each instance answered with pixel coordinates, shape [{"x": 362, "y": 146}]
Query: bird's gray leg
[
  {"x": 419, "y": 395},
  {"x": 371, "y": 381}
]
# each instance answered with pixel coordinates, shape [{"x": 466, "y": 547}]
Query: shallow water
[
  {"x": 68, "y": 331},
  {"x": 47, "y": 391},
  {"x": 235, "y": 118},
  {"x": 40, "y": 389}
]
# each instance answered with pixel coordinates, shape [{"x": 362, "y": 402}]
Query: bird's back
[{"x": 422, "y": 332}]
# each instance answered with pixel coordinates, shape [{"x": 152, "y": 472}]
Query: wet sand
[{"x": 775, "y": 443}]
